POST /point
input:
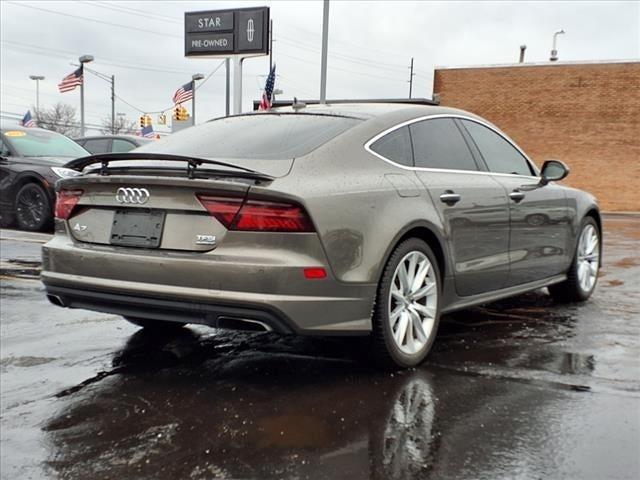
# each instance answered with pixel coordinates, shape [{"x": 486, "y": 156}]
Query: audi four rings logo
[{"x": 132, "y": 195}]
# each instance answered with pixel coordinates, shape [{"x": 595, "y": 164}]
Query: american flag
[
  {"x": 184, "y": 93},
  {"x": 71, "y": 81},
  {"x": 147, "y": 132},
  {"x": 27, "y": 120},
  {"x": 267, "y": 95}
]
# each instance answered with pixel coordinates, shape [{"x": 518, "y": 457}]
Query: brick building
[{"x": 584, "y": 113}]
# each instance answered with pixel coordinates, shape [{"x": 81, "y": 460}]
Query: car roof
[
  {"x": 5, "y": 128},
  {"x": 99, "y": 137},
  {"x": 379, "y": 116},
  {"x": 372, "y": 110}
]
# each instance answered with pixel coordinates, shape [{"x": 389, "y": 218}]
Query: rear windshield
[
  {"x": 39, "y": 143},
  {"x": 258, "y": 136}
]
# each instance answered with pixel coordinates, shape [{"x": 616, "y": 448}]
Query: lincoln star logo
[
  {"x": 250, "y": 30},
  {"x": 137, "y": 196}
]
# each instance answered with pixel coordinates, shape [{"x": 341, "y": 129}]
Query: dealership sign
[{"x": 223, "y": 33}]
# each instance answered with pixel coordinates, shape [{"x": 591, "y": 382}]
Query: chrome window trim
[{"x": 371, "y": 141}]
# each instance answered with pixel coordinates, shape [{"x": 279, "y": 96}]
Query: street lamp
[
  {"x": 37, "y": 78},
  {"x": 83, "y": 59},
  {"x": 194, "y": 77},
  {"x": 554, "y": 50}
]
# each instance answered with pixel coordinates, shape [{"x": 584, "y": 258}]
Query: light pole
[
  {"x": 197, "y": 76},
  {"x": 37, "y": 78},
  {"x": 83, "y": 59},
  {"x": 554, "y": 49}
]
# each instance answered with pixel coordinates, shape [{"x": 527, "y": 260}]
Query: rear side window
[
  {"x": 255, "y": 136},
  {"x": 499, "y": 155},
  {"x": 438, "y": 143},
  {"x": 121, "y": 146},
  {"x": 97, "y": 145},
  {"x": 395, "y": 146}
]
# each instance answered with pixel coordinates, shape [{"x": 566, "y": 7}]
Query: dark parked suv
[{"x": 31, "y": 162}]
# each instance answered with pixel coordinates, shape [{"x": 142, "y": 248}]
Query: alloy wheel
[
  {"x": 413, "y": 301},
  {"x": 30, "y": 207},
  {"x": 588, "y": 258}
]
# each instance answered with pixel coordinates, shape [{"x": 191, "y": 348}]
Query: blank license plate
[{"x": 137, "y": 228}]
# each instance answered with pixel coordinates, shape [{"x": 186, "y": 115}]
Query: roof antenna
[{"x": 297, "y": 105}]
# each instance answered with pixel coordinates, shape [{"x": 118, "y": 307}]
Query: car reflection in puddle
[{"x": 191, "y": 405}]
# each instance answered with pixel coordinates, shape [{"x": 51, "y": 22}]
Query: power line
[
  {"x": 88, "y": 19},
  {"x": 170, "y": 107}
]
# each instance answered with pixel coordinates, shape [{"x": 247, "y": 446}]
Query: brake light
[
  {"x": 257, "y": 215},
  {"x": 66, "y": 200},
  {"x": 272, "y": 217},
  {"x": 224, "y": 209}
]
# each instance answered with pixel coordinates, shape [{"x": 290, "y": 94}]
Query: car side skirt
[{"x": 453, "y": 303}]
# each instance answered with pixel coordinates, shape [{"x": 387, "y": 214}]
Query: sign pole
[
  {"x": 237, "y": 84},
  {"x": 227, "y": 64}
]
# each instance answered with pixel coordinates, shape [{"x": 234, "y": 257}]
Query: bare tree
[
  {"x": 60, "y": 118},
  {"x": 122, "y": 125}
]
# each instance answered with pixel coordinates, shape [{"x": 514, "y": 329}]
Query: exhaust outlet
[
  {"x": 245, "y": 324},
  {"x": 56, "y": 300}
]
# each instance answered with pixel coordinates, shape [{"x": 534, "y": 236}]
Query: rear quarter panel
[{"x": 359, "y": 204}]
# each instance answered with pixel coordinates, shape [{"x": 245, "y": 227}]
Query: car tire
[
  {"x": 582, "y": 275},
  {"x": 33, "y": 208},
  {"x": 159, "y": 325},
  {"x": 407, "y": 308}
]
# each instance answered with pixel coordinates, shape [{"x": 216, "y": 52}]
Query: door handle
[
  {"x": 516, "y": 196},
  {"x": 450, "y": 198}
]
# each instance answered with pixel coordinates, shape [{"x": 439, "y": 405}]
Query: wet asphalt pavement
[{"x": 520, "y": 389}]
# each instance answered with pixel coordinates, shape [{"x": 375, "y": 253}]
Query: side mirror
[{"x": 553, "y": 171}]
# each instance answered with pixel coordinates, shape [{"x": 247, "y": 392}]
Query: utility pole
[
  {"x": 197, "y": 76},
  {"x": 37, "y": 78},
  {"x": 325, "y": 44},
  {"x": 113, "y": 104},
  {"x": 411, "y": 74},
  {"x": 227, "y": 65}
]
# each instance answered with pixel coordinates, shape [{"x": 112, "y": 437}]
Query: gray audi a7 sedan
[{"x": 340, "y": 219}]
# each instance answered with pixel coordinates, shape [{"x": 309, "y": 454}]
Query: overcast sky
[{"x": 370, "y": 47}]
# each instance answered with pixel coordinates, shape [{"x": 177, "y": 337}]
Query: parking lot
[{"x": 521, "y": 388}]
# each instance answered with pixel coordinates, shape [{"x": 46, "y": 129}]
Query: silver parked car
[{"x": 366, "y": 219}]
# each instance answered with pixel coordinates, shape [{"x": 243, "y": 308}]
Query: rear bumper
[
  {"x": 187, "y": 288},
  {"x": 213, "y": 315}
]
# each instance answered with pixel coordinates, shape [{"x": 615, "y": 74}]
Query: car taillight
[
  {"x": 272, "y": 217},
  {"x": 224, "y": 209},
  {"x": 66, "y": 200},
  {"x": 257, "y": 215}
]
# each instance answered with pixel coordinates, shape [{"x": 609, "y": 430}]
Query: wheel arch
[
  {"x": 32, "y": 177},
  {"x": 430, "y": 235}
]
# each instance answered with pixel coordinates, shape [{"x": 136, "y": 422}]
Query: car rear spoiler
[{"x": 192, "y": 164}]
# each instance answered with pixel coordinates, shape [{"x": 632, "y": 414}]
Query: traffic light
[
  {"x": 145, "y": 121},
  {"x": 162, "y": 119},
  {"x": 142, "y": 121},
  {"x": 180, "y": 113}
]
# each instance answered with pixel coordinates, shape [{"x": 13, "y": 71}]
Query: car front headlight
[{"x": 65, "y": 172}]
